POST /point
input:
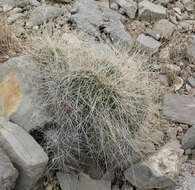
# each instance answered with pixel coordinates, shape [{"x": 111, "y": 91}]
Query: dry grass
[
  {"x": 99, "y": 102},
  {"x": 9, "y": 44}
]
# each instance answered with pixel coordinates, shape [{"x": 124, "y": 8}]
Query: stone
[
  {"x": 191, "y": 81},
  {"x": 179, "y": 108},
  {"x": 101, "y": 22},
  {"x": 67, "y": 181},
  {"x": 63, "y": 1},
  {"x": 150, "y": 32},
  {"x": 188, "y": 140},
  {"x": 149, "y": 11},
  {"x": 115, "y": 187},
  {"x": 14, "y": 18},
  {"x": 85, "y": 182},
  {"x": 191, "y": 50},
  {"x": 148, "y": 44},
  {"x": 11, "y": 4},
  {"x": 164, "y": 28},
  {"x": 18, "y": 96},
  {"x": 129, "y": 7},
  {"x": 126, "y": 187},
  {"x": 114, "y": 6},
  {"x": 159, "y": 170},
  {"x": 8, "y": 174},
  {"x": 43, "y": 14},
  {"x": 25, "y": 153}
]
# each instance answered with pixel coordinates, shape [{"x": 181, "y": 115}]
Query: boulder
[
  {"x": 164, "y": 28},
  {"x": 188, "y": 140},
  {"x": 43, "y": 14},
  {"x": 158, "y": 171},
  {"x": 149, "y": 11},
  {"x": 25, "y": 153},
  {"x": 18, "y": 96},
  {"x": 147, "y": 43},
  {"x": 101, "y": 22},
  {"x": 179, "y": 108},
  {"x": 8, "y": 174}
]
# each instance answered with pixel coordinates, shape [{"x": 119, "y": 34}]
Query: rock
[
  {"x": 43, "y": 14},
  {"x": 179, "y": 108},
  {"x": 159, "y": 171},
  {"x": 149, "y": 11},
  {"x": 150, "y": 32},
  {"x": 101, "y": 22},
  {"x": 148, "y": 44},
  {"x": 164, "y": 28},
  {"x": 126, "y": 187},
  {"x": 8, "y": 174},
  {"x": 10, "y": 4},
  {"x": 188, "y": 140},
  {"x": 129, "y": 7},
  {"x": 24, "y": 152},
  {"x": 63, "y": 1},
  {"x": 191, "y": 81},
  {"x": 114, "y": 6},
  {"x": 18, "y": 97},
  {"x": 67, "y": 181},
  {"x": 85, "y": 182},
  {"x": 115, "y": 187},
  {"x": 191, "y": 50},
  {"x": 14, "y": 17}
]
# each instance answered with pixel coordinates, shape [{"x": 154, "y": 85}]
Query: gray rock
[
  {"x": 10, "y": 4},
  {"x": 43, "y": 14},
  {"x": 67, "y": 181},
  {"x": 179, "y": 108},
  {"x": 115, "y": 187},
  {"x": 64, "y": 1},
  {"x": 126, "y": 187},
  {"x": 18, "y": 95},
  {"x": 8, "y": 174},
  {"x": 148, "y": 43},
  {"x": 98, "y": 21},
  {"x": 14, "y": 17},
  {"x": 159, "y": 171},
  {"x": 24, "y": 152},
  {"x": 191, "y": 50},
  {"x": 114, "y": 6},
  {"x": 85, "y": 182},
  {"x": 191, "y": 81},
  {"x": 164, "y": 28},
  {"x": 149, "y": 11},
  {"x": 129, "y": 7},
  {"x": 188, "y": 140},
  {"x": 150, "y": 32}
]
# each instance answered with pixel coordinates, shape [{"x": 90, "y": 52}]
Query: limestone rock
[
  {"x": 43, "y": 14},
  {"x": 8, "y": 174},
  {"x": 148, "y": 44},
  {"x": 188, "y": 140},
  {"x": 164, "y": 28},
  {"x": 24, "y": 152},
  {"x": 159, "y": 171},
  {"x": 149, "y": 11},
  {"x": 18, "y": 97},
  {"x": 179, "y": 108}
]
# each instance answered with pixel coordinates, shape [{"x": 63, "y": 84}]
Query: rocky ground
[{"x": 165, "y": 31}]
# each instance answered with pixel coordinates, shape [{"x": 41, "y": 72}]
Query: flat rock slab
[
  {"x": 188, "y": 140},
  {"x": 191, "y": 50},
  {"x": 18, "y": 97},
  {"x": 179, "y": 108},
  {"x": 24, "y": 152},
  {"x": 8, "y": 174},
  {"x": 159, "y": 171}
]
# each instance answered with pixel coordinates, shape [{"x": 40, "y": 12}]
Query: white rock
[
  {"x": 159, "y": 171},
  {"x": 24, "y": 152},
  {"x": 188, "y": 140},
  {"x": 149, "y": 11}
]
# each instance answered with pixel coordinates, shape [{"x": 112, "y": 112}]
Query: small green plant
[{"x": 98, "y": 101}]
